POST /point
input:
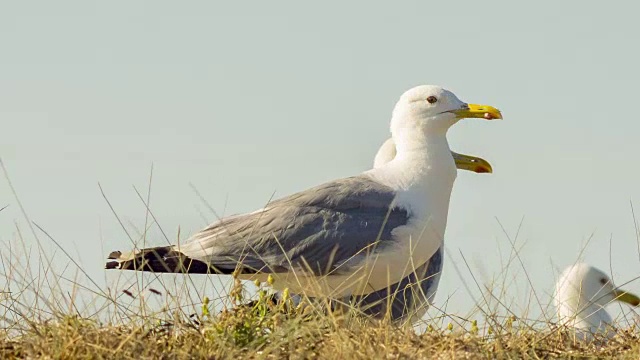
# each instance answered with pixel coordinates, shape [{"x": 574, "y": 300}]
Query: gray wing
[{"x": 321, "y": 229}]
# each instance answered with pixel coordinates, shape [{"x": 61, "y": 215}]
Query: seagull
[
  {"x": 350, "y": 236},
  {"x": 581, "y": 294}
]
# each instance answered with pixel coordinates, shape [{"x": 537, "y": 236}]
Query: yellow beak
[
  {"x": 471, "y": 163},
  {"x": 627, "y": 297},
  {"x": 478, "y": 111}
]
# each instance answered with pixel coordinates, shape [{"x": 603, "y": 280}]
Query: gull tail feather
[{"x": 162, "y": 259}]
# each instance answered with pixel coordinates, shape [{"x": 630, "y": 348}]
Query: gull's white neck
[
  {"x": 424, "y": 157},
  {"x": 422, "y": 172}
]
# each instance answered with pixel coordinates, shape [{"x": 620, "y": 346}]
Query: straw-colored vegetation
[
  {"x": 47, "y": 313},
  {"x": 37, "y": 326}
]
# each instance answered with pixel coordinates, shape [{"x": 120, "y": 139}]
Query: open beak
[
  {"x": 627, "y": 297},
  {"x": 471, "y": 163},
  {"x": 478, "y": 111}
]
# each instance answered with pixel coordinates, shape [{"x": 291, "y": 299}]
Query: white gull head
[
  {"x": 424, "y": 110},
  {"x": 418, "y": 155},
  {"x": 581, "y": 294}
]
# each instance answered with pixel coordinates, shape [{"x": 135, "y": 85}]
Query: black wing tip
[
  {"x": 162, "y": 259},
  {"x": 167, "y": 260},
  {"x": 112, "y": 265}
]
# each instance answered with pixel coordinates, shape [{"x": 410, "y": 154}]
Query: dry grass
[
  {"x": 46, "y": 313},
  {"x": 246, "y": 336},
  {"x": 267, "y": 330}
]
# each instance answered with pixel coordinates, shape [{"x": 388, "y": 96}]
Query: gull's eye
[
  {"x": 603, "y": 281},
  {"x": 432, "y": 99}
]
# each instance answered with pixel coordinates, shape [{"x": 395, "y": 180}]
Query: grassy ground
[
  {"x": 81, "y": 338},
  {"x": 267, "y": 330},
  {"x": 47, "y": 313}
]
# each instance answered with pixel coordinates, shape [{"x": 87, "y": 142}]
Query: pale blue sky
[{"x": 247, "y": 99}]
